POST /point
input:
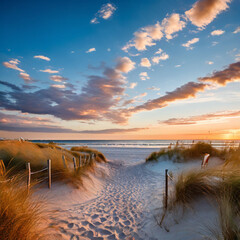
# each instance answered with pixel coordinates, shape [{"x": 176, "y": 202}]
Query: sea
[{"x": 130, "y": 152}]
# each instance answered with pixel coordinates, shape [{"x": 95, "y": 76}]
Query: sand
[{"x": 123, "y": 204}]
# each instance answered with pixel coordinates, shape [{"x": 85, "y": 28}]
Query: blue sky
[{"x": 54, "y": 36}]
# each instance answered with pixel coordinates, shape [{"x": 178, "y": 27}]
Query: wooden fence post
[
  {"x": 64, "y": 161},
  {"x": 85, "y": 159},
  {"x": 29, "y": 176},
  {"x": 74, "y": 163},
  {"x": 49, "y": 173},
  {"x": 79, "y": 161},
  {"x": 166, "y": 188}
]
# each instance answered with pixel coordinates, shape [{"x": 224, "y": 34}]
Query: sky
[{"x": 120, "y": 69}]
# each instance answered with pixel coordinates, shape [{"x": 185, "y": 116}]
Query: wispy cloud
[
  {"x": 201, "y": 118},
  {"x": 58, "y": 78},
  {"x": 26, "y": 77},
  {"x": 154, "y": 88},
  {"x": 189, "y": 43},
  {"x": 105, "y": 12},
  {"x": 132, "y": 85},
  {"x": 162, "y": 57},
  {"x": 145, "y": 62},
  {"x": 204, "y": 12},
  {"x": 13, "y": 65},
  {"x": 237, "y": 30},
  {"x": 144, "y": 76},
  {"x": 61, "y": 86},
  {"x": 49, "y": 71},
  {"x": 91, "y": 50},
  {"x": 42, "y": 57},
  {"x": 217, "y": 32},
  {"x": 210, "y": 62}
]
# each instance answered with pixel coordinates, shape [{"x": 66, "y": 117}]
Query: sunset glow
[{"x": 120, "y": 70}]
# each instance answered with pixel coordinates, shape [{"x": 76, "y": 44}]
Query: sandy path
[{"x": 121, "y": 210}]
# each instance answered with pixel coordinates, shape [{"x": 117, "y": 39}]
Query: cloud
[
  {"x": 12, "y": 86},
  {"x": 177, "y": 66},
  {"x": 145, "y": 62},
  {"x": 217, "y": 32},
  {"x": 35, "y": 124},
  {"x": 237, "y": 30},
  {"x": 204, "y": 12},
  {"x": 133, "y": 85},
  {"x": 162, "y": 57},
  {"x": 154, "y": 88},
  {"x": 105, "y": 12},
  {"x": 145, "y": 37},
  {"x": 49, "y": 71},
  {"x": 42, "y": 57},
  {"x": 58, "y": 78},
  {"x": 26, "y": 77},
  {"x": 91, "y": 50},
  {"x": 113, "y": 130},
  {"x": 13, "y": 65},
  {"x": 201, "y": 118},
  {"x": 172, "y": 25},
  {"x": 229, "y": 74},
  {"x": 159, "y": 51},
  {"x": 144, "y": 76},
  {"x": 58, "y": 86},
  {"x": 189, "y": 43},
  {"x": 210, "y": 62},
  {"x": 188, "y": 90},
  {"x": 125, "y": 64},
  {"x": 97, "y": 100}
]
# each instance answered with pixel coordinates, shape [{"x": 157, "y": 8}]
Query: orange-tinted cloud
[
  {"x": 13, "y": 65},
  {"x": 200, "y": 118},
  {"x": 229, "y": 74},
  {"x": 204, "y": 12}
]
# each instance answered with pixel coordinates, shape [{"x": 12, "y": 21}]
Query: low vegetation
[
  {"x": 20, "y": 217},
  {"x": 15, "y": 155},
  {"x": 221, "y": 185},
  {"x": 179, "y": 153}
]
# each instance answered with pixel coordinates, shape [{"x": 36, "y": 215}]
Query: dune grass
[
  {"x": 99, "y": 156},
  {"x": 16, "y": 154},
  {"x": 20, "y": 217},
  {"x": 183, "y": 154}
]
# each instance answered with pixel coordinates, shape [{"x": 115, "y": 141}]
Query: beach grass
[
  {"x": 20, "y": 216},
  {"x": 15, "y": 155},
  {"x": 180, "y": 153}
]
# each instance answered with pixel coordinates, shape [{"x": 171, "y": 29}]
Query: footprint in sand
[{"x": 70, "y": 225}]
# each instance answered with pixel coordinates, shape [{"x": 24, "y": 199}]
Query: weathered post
[
  {"x": 64, "y": 161},
  {"x": 85, "y": 159},
  {"x": 29, "y": 176},
  {"x": 49, "y": 173},
  {"x": 74, "y": 163},
  {"x": 79, "y": 161},
  {"x": 166, "y": 188}
]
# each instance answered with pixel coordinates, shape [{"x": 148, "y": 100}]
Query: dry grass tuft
[
  {"x": 196, "y": 151},
  {"x": 20, "y": 217},
  {"x": 192, "y": 185},
  {"x": 16, "y": 154}
]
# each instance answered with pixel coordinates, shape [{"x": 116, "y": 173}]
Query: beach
[{"x": 123, "y": 203}]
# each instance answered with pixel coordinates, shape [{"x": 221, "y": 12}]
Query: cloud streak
[
  {"x": 105, "y": 12},
  {"x": 189, "y": 43},
  {"x": 201, "y": 118},
  {"x": 42, "y": 57},
  {"x": 229, "y": 74}
]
